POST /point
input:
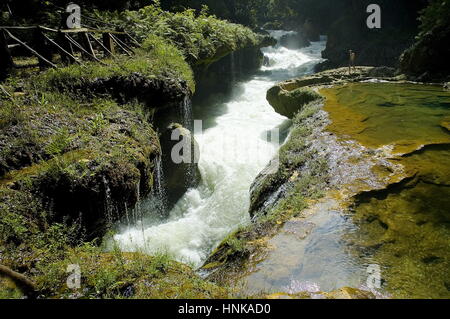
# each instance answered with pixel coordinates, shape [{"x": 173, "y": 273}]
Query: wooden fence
[{"x": 91, "y": 44}]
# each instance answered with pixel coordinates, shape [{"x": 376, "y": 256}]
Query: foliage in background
[
  {"x": 435, "y": 15},
  {"x": 199, "y": 36},
  {"x": 252, "y": 13}
]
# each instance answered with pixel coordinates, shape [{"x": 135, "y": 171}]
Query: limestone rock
[
  {"x": 288, "y": 103},
  {"x": 182, "y": 173}
]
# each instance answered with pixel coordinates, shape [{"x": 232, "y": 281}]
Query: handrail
[
  {"x": 77, "y": 30},
  {"x": 65, "y": 42}
]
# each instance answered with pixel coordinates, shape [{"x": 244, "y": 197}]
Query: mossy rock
[
  {"x": 81, "y": 163},
  {"x": 114, "y": 275},
  {"x": 179, "y": 177},
  {"x": 288, "y": 103}
]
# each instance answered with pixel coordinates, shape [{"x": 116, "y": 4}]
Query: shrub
[{"x": 199, "y": 37}]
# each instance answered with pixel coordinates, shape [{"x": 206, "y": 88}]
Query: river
[{"x": 234, "y": 149}]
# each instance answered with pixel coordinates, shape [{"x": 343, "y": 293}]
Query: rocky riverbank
[{"x": 323, "y": 169}]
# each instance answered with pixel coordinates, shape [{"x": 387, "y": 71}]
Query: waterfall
[
  {"x": 159, "y": 191},
  {"x": 159, "y": 178},
  {"x": 186, "y": 113},
  {"x": 188, "y": 123},
  {"x": 233, "y": 68},
  {"x": 233, "y": 152},
  {"x": 108, "y": 201}
]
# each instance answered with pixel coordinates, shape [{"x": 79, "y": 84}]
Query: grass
[
  {"x": 10, "y": 115},
  {"x": 156, "y": 59}
]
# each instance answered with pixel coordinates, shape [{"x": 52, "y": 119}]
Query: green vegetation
[
  {"x": 199, "y": 37},
  {"x": 78, "y": 149},
  {"x": 156, "y": 59},
  {"x": 300, "y": 164},
  {"x": 46, "y": 255},
  {"x": 436, "y": 15},
  {"x": 426, "y": 59},
  {"x": 119, "y": 275}
]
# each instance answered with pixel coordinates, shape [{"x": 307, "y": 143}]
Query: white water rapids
[{"x": 233, "y": 153}]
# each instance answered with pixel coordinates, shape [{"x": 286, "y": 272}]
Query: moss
[
  {"x": 404, "y": 226},
  {"x": 357, "y": 110},
  {"x": 155, "y": 59},
  {"x": 288, "y": 103},
  {"x": 123, "y": 275},
  {"x": 77, "y": 154},
  {"x": 446, "y": 123}
]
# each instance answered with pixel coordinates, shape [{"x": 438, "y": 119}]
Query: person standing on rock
[{"x": 352, "y": 57}]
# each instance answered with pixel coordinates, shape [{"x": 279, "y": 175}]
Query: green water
[
  {"x": 405, "y": 115},
  {"x": 405, "y": 228}
]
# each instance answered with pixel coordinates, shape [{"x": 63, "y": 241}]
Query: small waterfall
[
  {"x": 159, "y": 190},
  {"x": 108, "y": 201},
  {"x": 127, "y": 215},
  {"x": 191, "y": 169},
  {"x": 186, "y": 113},
  {"x": 188, "y": 123},
  {"x": 159, "y": 177},
  {"x": 139, "y": 210},
  {"x": 233, "y": 68}
]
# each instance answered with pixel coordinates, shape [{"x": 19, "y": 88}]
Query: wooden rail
[
  {"x": 43, "y": 46},
  {"x": 77, "y": 30}
]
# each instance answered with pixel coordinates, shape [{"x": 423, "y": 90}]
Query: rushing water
[{"x": 234, "y": 149}]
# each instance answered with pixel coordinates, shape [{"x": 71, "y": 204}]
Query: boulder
[
  {"x": 382, "y": 72},
  {"x": 180, "y": 173},
  {"x": 288, "y": 103}
]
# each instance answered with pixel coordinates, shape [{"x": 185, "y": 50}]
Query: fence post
[
  {"x": 6, "y": 61},
  {"x": 87, "y": 45},
  {"x": 42, "y": 47},
  {"x": 121, "y": 36},
  {"x": 108, "y": 43},
  {"x": 65, "y": 44}
]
